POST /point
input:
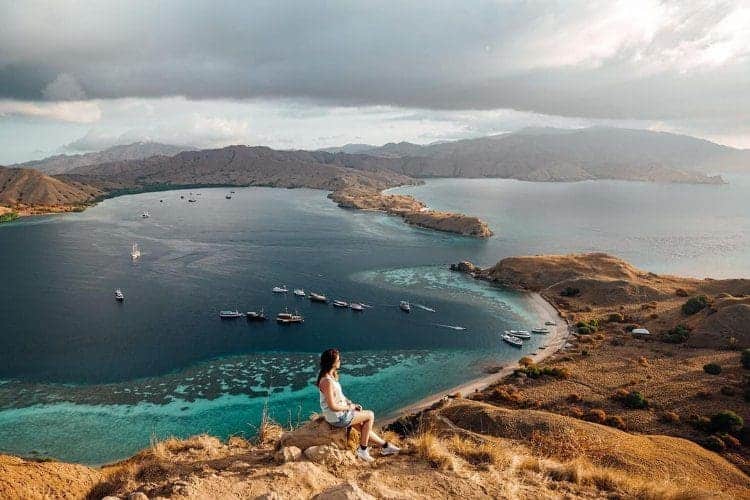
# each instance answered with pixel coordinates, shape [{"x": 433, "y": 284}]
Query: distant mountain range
[
  {"x": 538, "y": 154},
  {"x": 549, "y": 154},
  {"x": 138, "y": 150}
]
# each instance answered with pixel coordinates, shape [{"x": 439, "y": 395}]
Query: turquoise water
[{"x": 84, "y": 378}]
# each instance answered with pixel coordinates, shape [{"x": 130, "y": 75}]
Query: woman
[{"x": 341, "y": 412}]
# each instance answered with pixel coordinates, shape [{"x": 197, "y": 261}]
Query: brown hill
[{"x": 22, "y": 188}]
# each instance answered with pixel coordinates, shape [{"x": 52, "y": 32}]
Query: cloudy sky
[{"x": 79, "y": 76}]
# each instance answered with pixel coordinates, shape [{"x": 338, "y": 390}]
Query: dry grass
[
  {"x": 428, "y": 446},
  {"x": 479, "y": 453},
  {"x": 268, "y": 431}
]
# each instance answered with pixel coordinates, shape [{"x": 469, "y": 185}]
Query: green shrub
[
  {"x": 570, "y": 292},
  {"x": 677, "y": 335},
  {"x": 615, "y": 318},
  {"x": 712, "y": 368},
  {"x": 726, "y": 421},
  {"x": 635, "y": 399},
  {"x": 584, "y": 330},
  {"x": 7, "y": 217},
  {"x": 587, "y": 327},
  {"x": 744, "y": 435},
  {"x": 745, "y": 359},
  {"x": 714, "y": 443},
  {"x": 695, "y": 304}
]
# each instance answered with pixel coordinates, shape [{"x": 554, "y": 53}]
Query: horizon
[{"x": 331, "y": 74}]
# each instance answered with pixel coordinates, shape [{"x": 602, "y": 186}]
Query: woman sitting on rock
[{"x": 341, "y": 412}]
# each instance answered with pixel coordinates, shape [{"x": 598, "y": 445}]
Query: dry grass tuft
[
  {"x": 482, "y": 453},
  {"x": 268, "y": 431},
  {"x": 429, "y": 447}
]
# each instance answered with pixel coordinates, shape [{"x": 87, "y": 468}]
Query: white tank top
[{"x": 338, "y": 397}]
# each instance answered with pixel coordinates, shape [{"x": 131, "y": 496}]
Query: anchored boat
[
  {"x": 256, "y": 315},
  {"x": 280, "y": 289},
  {"x": 514, "y": 341},
  {"x": 540, "y": 331},
  {"x": 405, "y": 306},
  {"x": 316, "y": 297},
  {"x": 135, "y": 253},
  {"x": 230, "y": 314},
  {"x": 299, "y": 292},
  {"x": 521, "y": 334},
  {"x": 119, "y": 296},
  {"x": 286, "y": 318},
  {"x": 340, "y": 303},
  {"x": 356, "y": 306}
]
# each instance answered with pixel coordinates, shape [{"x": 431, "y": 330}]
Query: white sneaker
[
  {"x": 390, "y": 450},
  {"x": 364, "y": 455}
]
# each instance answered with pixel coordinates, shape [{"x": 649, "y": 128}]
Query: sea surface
[{"x": 87, "y": 379}]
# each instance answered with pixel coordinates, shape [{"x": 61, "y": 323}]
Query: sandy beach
[{"x": 556, "y": 339}]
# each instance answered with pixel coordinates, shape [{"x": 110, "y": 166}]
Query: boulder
[
  {"x": 314, "y": 433},
  {"x": 345, "y": 491},
  {"x": 328, "y": 455},
  {"x": 288, "y": 454},
  {"x": 464, "y": 267}
]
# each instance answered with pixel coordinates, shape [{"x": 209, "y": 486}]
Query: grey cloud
[{"x": 576, "y": 59}]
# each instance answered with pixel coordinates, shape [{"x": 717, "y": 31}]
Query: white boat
[
  {"x": 405, "y": 306},
  {"x": 514, "y": 341},
  {"x": 356, "y": 306},
  {"x": 550, "y": 323},
  {"x": 286, "y": 318},
  {"x": 280, "y": 289},
  {"x": 135, "y": 253},
  {"x": 452, "y": 327},
  {"x": 520, "y": 334},
  {"x": 119, "y": 296},
  {"x": 228, "y": 197},
  {"x": 540, "y": 331},
  {"x": 146, "y": 214},
  {"x": 230, "y": 314},
  {"x": 299, "y": 292},
  {"x": 317, "y": 297},
  {"x": 340, "y": 303}
]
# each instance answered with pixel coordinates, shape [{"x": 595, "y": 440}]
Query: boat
[
  {"x": 182, "y": 196},
  {"x": 146, "y": 214},
  {"x": 119, "y": 296},
  {"x": 256, "y": 315},
  {"x": 514, "y": 341},
  {"x": 404, "y": 306},
  {"x": 299, "y": 292},
  {"x": 541, "y": 331},
  {"x": 192, "y": 200},
  {"x": 286, "y": 318},
  {"x": 230, "y": 314},
  {"x": 232, "y": 191},
  {"x": 550, "y": 323},
  {"x": 228, "y": 197},
  {"x": 161, "y": 201},
  {"x": 280, "y": 289},
  {"x": 452, "y": 327},
  {"x": 316, "y": 297},
  {"x": 340, "y": 303},
  {"x": 520, "y": 334},
  {"x": 135, "y": 253},
  {"x": 356, "y": 306}
]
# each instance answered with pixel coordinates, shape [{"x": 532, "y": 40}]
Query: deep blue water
[{"x": 85, "y": 378}]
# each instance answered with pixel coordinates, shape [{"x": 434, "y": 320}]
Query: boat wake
[
  {"x": 452, "y": 327},
  {"x": 425, "y": 308}
]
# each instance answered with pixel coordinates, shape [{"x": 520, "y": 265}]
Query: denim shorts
[{"x": 345, "y": 419}]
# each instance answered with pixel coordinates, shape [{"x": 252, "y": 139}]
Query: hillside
[
  {"x": 548, "y": 154},
  {"x": 460, "y": 448},
  {"x": 28, "y": 191},
  {"x": 604, "y": 298},
  {"x": 138, "y": 150}
]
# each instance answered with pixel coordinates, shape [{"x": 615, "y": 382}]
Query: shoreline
[{"x": 555, "y": 342}]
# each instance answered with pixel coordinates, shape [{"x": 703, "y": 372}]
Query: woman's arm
[{"x": 327, "y": 390}]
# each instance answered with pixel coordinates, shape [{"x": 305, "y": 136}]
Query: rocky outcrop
[
  {"x": 346, "y": 491},
  {"x": 411, "y": 210},
  {"x": 316, "y": 432}
]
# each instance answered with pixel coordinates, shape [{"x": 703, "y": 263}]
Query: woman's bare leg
[{"x": 365, "y": 420}]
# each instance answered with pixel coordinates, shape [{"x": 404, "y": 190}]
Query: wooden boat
[{"x": 287, "y": 318}]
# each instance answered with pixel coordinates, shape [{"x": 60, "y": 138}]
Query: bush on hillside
[
  {"x": 670, "y": 417},
  {"x": 635, "y": 400},
  {"x": 712, "y": 368},
  {"x": 726, "y": 421},
  {"x": 714, "y": 443},
  {"x": 570, "y": 292},
  {"x": 677, "y": 335},
  {"x": 616, "y": 422},
  {"x": 695, "y": 304},
  {"x": 596, "y": 415},
  {"x": 615, "y": 318},
  {"x": 526, "y": 361}
]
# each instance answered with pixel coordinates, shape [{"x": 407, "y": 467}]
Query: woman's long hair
[{"x": 327, "y": 360}]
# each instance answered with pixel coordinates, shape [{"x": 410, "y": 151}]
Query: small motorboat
[
  {"x": 356, "y": 306},
  {"x": 232, "y": 191},
  {"x": 182, "y": 196},
  {"x": 520, "y": 334},
  {"x": 135, "y": 253},
  {"x": 161, "y": 201},
  {"x": 280, "y": 289},
  {"x": 230, "y": 314},
  {"x": 192, "y": 200},
  {"x": 228, "y": 197},
  {"x": 340, "y": 303},
  {"x": 405, "y": 306},
  {"x": 287, "y": 318},
  {"x": 540, "y": 331},
  {"x": 146, "y": 214},
  {"x": 299, "y": 292},
  {"x": 514, "y": 341},
  {"x": 256, "y": 315},
  {"x": 550, "y": 323},
  {"x": 316, "y": 297},
  {"x": 119, "y": 296}
]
